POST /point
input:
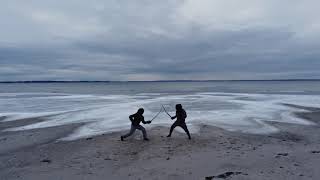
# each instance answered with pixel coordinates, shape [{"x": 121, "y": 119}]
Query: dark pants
[
  {"x": 182, "y": 125},
  {"x": 133, "y": 129}
]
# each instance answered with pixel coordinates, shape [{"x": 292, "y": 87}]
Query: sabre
[
  {"x": 156, "y": 115},
  {"x": 166, "y": 111}
]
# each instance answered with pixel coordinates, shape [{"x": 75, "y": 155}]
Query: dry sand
[{"x": 213, "y": 153}]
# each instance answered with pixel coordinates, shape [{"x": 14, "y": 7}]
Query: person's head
[
  {"x": 140, "y": 111},
  {"x": 178, "y": 107}
]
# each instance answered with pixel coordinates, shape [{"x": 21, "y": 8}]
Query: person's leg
[
  {"x": 172, "y": 127},
  {"x": 132, "y": 130},
  {"x": 144, "y": 132},
  {"x": 185, "y": 128}
]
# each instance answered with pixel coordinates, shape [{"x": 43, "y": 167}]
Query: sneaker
[
  {"x": 169, "y": 135},
  {"x": 146, "y": 139},
  {"x": 121, "y": 138}
]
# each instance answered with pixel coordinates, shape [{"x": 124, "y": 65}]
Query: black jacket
[
  {"x": 181, "y": 116},
  {"x": 136, "y": 119}
]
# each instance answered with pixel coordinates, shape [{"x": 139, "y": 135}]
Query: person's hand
[
  {"x": 172, "y": 118},
  {"x": 148, "y": 122}
]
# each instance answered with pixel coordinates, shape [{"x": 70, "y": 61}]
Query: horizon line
[{"x": 108, "y": 81}]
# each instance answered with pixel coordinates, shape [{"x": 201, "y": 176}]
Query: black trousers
[
  {"x": 182, "y": 125},
  {"x": 133, "y": 129}
]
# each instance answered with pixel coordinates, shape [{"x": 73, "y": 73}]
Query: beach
[
  {"x": 213, "y": 153},
  {"x": 160, "y": 90}
]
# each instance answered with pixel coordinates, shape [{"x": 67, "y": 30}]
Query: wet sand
[{"x": 213, "y": 153}]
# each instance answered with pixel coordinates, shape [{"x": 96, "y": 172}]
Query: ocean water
[{"x": 244, "y": 106}]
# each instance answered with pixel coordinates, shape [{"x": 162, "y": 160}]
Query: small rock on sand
[
  {"x": 224, "y": 175},
  {"x": 46, "y": 161}
]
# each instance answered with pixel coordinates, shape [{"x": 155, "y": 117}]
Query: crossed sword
[{"x": 162, "y": 107}]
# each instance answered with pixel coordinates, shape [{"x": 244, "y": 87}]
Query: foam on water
[{"x": 247, "y": 113}]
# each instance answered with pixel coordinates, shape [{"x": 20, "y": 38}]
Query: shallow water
[{"x": 108, "y": 111}]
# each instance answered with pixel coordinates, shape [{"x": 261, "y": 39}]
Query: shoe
[
  {"x": 122, "y": 138},
  {"x": 189, "y": 138},
  {"x": 169, "y": 135},
  {"x": 146, "y": 139}
]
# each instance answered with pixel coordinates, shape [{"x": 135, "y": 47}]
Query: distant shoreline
[{"x": 11, "y": 82}]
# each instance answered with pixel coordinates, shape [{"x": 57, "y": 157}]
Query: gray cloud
[{"x": 163, "y": 40}]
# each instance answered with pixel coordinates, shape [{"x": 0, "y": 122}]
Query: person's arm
[
  {"x": 142, "y": 120},
  {"x": 131, "y": 117},
  {"x": 173, "y": 117},
  {"x": 145, "y": 122},
  {"x": 184, "y": 114}
]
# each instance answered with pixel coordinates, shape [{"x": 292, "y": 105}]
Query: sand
[{"x": 213, "y": 153}]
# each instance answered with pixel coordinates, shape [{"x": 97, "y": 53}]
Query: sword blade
[{"x": 166, "y": 111}]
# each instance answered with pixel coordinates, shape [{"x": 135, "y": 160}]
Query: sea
[{"x": 103, "y": 107}]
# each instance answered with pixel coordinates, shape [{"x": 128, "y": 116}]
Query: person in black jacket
[
  {"x": 135, "y": 124},
  {"x": 181, "y": 116}
]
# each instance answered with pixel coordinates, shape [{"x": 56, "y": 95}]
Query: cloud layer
[{"x": 159, "y": 40}]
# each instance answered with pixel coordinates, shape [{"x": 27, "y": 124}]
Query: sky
[{"x": 125, "y": 40}]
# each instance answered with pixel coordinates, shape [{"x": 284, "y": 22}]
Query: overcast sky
[{"x": 159, "y": 40}]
